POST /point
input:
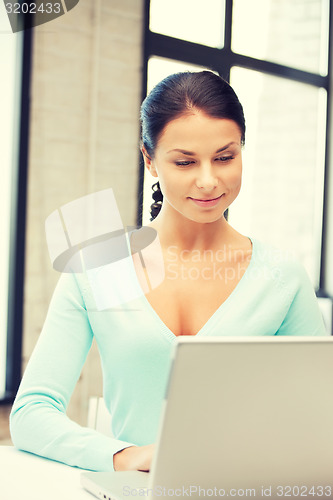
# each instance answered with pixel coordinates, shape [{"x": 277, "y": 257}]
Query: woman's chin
[
  {"x": 205, "y": 218},
  {"x": 198, "y": 215}
]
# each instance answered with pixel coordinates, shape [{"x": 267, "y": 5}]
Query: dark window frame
[
  {"x": 18, "y": 230},
  {"x": 222, "y": 60}
]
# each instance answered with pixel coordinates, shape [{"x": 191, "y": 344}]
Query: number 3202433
[{"x": 33, "y": 8}]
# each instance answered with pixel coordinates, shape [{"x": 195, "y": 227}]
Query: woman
[{"x": 217, "y": 282}]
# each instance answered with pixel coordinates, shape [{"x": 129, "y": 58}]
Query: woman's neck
[{"x": 175, "y": 229}]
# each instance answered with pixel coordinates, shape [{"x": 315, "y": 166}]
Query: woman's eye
[
  {"x": 225, "y": 158},
  {"x": 183, "y": 163}
]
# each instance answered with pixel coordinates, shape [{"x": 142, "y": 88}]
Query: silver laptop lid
[{"x": 247, "y": 413}]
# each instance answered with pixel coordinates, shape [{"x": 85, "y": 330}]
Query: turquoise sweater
[{"x": 274, "y": 297}]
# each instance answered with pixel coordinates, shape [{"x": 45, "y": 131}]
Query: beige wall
[{"x": 84, "y": 137}]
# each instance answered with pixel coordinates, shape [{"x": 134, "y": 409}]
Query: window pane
[
  {"x": 191, "y": 20},
  {"x": 283, "y": 164},
  {"x": 289, "y": 32},
  {"x": 159, "y": 68}
]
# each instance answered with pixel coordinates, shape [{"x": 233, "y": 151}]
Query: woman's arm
[{"x": 38, "y": 419}]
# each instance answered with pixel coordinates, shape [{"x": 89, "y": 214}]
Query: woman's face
[{"x": 199, "y": 165}]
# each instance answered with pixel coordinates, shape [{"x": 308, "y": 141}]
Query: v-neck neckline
[{"x": 206, "y": 327}]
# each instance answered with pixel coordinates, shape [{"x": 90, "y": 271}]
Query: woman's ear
[{"x": 149, "y": 163}]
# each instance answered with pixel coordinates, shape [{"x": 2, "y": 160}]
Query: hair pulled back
[{"x": 177, "y": 95}]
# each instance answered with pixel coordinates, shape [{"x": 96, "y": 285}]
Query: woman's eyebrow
[
  {"x": 190, "y": 153},
  {"x": 226, "y": 146}
]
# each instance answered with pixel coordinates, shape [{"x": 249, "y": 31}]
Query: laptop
[{"x": 242, "y": 417}]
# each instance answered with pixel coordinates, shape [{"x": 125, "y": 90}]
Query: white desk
[{"x": 26, "y": 476}]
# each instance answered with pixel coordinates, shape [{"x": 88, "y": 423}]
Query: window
[
  {"x": 292, "y": 33},
  {"x": 275, "y": 55}
]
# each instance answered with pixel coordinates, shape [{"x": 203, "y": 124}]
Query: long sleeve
[{"x": 38, "y": 419}]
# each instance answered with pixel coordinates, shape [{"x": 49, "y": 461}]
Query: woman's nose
[{"x": 206, "y": 178}]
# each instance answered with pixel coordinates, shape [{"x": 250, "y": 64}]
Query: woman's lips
[{"x": 211, "y": 202}]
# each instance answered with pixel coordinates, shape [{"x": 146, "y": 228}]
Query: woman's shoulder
[
  {"x": 71, "y": 287},
  {"x": 284, "y": 265},
  {"x": 271, "y": 254}
]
